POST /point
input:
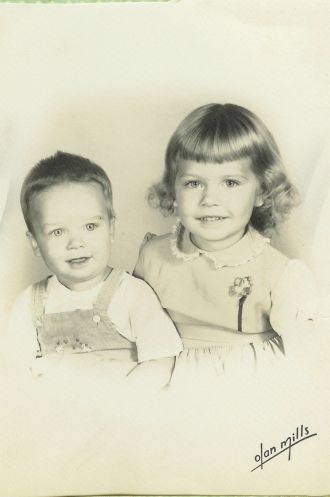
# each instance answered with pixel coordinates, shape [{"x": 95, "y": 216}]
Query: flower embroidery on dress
[{"x": 241, "y": 288}]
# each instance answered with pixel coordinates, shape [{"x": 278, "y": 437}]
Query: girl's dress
[{"x": 234, "y": 309}]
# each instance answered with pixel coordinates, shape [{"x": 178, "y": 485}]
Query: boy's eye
[
  {"x": 57, "y": 232},
  {"x": 193, "y": 183},
  {"x": 230, "y": 183},
  {"x": 90, "y": 226}
]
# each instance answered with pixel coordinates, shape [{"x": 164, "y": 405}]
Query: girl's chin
[{"x": 212, "y": 244}]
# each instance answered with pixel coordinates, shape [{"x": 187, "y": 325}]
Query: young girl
[
  {"x": 230, "y": 294},
  {"x": 86, "y": 312}
]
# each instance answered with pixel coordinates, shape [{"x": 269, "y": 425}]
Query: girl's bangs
[{"x": 217, "y": 149}]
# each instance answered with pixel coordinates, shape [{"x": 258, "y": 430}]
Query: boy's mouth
[{"x": 78, "y": 260}]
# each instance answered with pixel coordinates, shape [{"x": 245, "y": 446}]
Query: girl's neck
[{"x": 217, "y": 245}]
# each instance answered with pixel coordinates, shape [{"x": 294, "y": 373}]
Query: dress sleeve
[
  {"x": 20, "y": 340},
  {"x": 293, "y": 297},
  {"x": 146, "y": 322},
  {"x": 139, "y": 270}
]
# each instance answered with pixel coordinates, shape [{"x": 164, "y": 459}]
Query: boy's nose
[{"x": 75, "y": 241}]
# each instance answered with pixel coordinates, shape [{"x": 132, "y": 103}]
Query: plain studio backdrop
[{"x": 112, "y": 81}]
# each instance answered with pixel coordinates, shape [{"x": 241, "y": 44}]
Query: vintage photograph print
[{"x": 164, "y": 251}]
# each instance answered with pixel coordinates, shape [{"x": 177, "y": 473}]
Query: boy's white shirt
[{"x": 134, "y": 309}]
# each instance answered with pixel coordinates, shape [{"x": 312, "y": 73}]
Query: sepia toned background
[{"x": 112, "y": 81}]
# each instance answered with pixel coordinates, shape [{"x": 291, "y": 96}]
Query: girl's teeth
[{"x": 213, "y": 218}]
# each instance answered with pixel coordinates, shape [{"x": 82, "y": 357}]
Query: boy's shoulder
[
  {"x": 25, "y": 296},
  {"x": 27, "y": 292},
  {"x": 21, "y": 309},
  {"x": 133, "y": 291}
]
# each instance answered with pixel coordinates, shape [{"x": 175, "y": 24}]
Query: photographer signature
[{"x": 299, "y": 435}]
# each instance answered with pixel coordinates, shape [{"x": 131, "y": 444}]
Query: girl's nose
[{"x": 211, "y": 197}]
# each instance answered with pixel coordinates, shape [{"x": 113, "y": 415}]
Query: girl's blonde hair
[{"x": 219, "y": 133}]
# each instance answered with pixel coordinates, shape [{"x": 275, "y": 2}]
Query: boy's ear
[{"x": 33, "y": 243}]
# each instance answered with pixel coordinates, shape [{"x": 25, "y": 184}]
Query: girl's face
[
  {"x": 72, "y": 232},
  {"x": 215, "y": 201}
]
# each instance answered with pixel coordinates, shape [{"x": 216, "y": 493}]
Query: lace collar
[{"x": 251, "y": 245}]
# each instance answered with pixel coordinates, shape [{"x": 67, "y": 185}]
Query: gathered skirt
[{"x": 205, "y": 363}]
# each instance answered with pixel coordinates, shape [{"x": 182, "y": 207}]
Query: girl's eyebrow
[
  {"x": 223, "y": 176},
  {"x": 191, "y": 175},
  {"x": 238, "y": 175}
]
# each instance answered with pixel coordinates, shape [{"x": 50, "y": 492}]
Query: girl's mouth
[{"x": 210, "y": 219}]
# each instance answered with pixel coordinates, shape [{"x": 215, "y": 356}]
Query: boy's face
[{"x": 72, "y": 232}]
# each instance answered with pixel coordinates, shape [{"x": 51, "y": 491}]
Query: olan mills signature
[{"x": 265, "y": 455}]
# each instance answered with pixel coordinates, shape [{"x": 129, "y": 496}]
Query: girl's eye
[
  {"x": 90, "y": 226},
  {"x": 57, "y": 232},
  {"x": 230, "y": 183},
  {"x": 193, "y": 183}
]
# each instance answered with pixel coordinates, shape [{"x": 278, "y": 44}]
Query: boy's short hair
[{"x": 59, "y": 168}]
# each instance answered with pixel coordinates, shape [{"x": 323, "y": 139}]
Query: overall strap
[
  {"x": 109, "y": 289},
  {"x": 38, "y": 308},
  {"x": 38, "y": 301}
]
